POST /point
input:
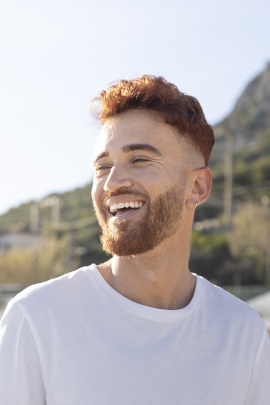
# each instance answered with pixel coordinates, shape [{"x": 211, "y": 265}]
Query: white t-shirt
[{"x": 75, "y": 340}]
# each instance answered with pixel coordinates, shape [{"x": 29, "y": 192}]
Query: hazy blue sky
[{"x": 56, "y": 55}]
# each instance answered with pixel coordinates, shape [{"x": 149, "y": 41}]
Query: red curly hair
[{"x": 155, "y": 93}]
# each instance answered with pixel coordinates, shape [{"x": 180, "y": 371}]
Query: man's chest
[{"x": 104, "y": 370}]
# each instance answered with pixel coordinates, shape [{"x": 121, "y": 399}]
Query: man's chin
[
  {"x": 123, "y": 238},
  {"x": 127, "y": 243},
  {"x": 123, "y": 251}
]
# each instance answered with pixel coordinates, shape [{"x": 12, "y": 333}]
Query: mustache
[{"x": 124, "y": 191}]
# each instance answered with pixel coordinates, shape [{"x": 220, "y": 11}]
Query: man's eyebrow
[
  {"x": 130, "y": 148},
  {"x": 101, "y": 155},
  {"x": 141, "y": 146}
]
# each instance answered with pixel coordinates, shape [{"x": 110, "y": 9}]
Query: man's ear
[{"x": 202, "y": 183}]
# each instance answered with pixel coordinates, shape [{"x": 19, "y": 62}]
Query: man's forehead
[
  {"x": 132, "y": 127},
  {"x": 134, "y": 121}
]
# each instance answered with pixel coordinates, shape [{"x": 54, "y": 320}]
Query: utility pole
[
  {"x": 70, "y": 249},
  {"x": 265, "y": 203},
  {"x": 228, "y": 178},
  {"x": 34, "y": 218},
  {"x": 55, "y": 216},
  {"x": 54, "y": 203}
]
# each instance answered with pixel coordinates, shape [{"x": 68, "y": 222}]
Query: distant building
[{"x": 22, "y": 240}]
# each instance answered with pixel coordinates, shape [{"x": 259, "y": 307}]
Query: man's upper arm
[
  {"x": 259, "y": 387},
  {"x": 21, "y": 379}
]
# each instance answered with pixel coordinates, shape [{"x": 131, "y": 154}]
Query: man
[{"x": 140, "y": 328}]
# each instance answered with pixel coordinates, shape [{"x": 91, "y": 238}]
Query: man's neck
[{"x": 159, "y": 278}]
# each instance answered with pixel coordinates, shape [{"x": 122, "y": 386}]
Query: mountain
[
  {"x": 250, "y": 117},
  {"x": 246, "y": 130}
]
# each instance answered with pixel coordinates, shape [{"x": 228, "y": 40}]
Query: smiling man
[
  {"x": 139, "y": 187},
  {"x": 140, "y": 328}
]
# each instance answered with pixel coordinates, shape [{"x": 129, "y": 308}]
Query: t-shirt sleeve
[
  {"x": 21, "y": 381},
  {"x": 259, "y": 387}
]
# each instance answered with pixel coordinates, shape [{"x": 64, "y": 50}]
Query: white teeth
[{"x": 115, "y": 207}]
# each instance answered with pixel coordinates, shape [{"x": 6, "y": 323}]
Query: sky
[{"x": 56, "y": 55}]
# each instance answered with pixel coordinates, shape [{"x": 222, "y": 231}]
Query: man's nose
[{"x": 118, "y": 178}]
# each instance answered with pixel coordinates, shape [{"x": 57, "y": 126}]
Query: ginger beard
[{"x": 161, "y": 220}]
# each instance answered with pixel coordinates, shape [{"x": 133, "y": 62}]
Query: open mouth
[{"x": 124, "y": 208}]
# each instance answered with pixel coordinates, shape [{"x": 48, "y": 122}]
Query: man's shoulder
[
  {"x": 229, "y": 309},
  {"x": 223, "y": 300},
  {"x": 54, "y": 303},
  {"x": 54, "y": 290}
]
